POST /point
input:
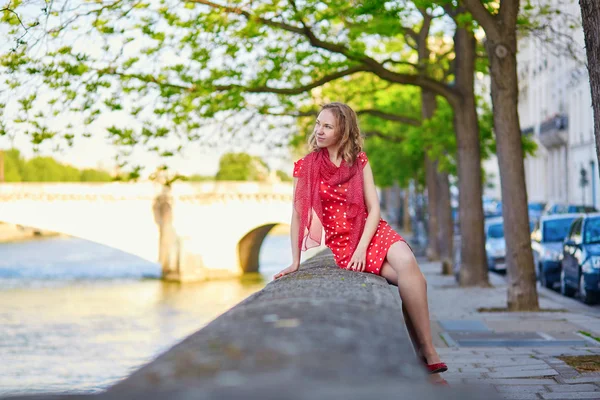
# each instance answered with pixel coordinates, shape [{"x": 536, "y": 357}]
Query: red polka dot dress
[{"x": 337, "y": 227}]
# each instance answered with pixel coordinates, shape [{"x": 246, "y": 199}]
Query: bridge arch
[{"x": 248, "y": 248}]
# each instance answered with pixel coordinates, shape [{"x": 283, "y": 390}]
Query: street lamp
[{"x": 583, "y": 182}]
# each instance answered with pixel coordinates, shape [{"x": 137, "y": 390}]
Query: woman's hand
[
  {"x": 288, "y": 270},
  {"x": 358, "y": 260}
]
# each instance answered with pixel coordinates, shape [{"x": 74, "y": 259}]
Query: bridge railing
[{"x": 185, "y": 191}]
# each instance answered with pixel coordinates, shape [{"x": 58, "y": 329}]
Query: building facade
[{"x": 555, "y": 110}]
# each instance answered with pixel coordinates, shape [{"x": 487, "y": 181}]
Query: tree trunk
[
  {"x": 501, "y": 50},
  {"x": 406, "y": 211},
  {"x": 590, "y": 13},
  {"x": 433, "y": 249},
  {"x": 397, "y": 201},
  {"x": 383, "y": 199},
  {"x": 446, "y": 225},
  {"x": 473, "y": 269},
  {"x": 428, "y": 106}
]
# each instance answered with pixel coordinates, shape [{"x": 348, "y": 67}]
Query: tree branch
[
  {"x": 248, "y": 89},
  {"x": 412, "y": 45},
  {"x": 445, "y": 54},
  {"x": 424, "y": 32},
  {"x": 391, "y": 117},
  {"x": 19, "y": 39},
  {"x": 373, "y": 65},
  {"x": 296, "y": 90},
  {"x": 310, "y": 113},
  {"x": 407, "y": 63},
  {"x": 410, "y": 33},
  {"x": 450, "y": 10},
  {"x": 10, "y": 10},
  {"x": 485, "y": 19},
  {"x": 144, "y": 78},
  {"x": 240, "y": 11},
  {"x": 389, "y": 138},
  {"x": 376, "y": 113},
  {"x": 332, "y": 47}
]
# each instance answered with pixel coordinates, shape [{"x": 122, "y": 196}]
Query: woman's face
[{"x": 325, "y": 129}]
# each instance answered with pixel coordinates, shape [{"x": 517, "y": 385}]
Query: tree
[
  {"x": 298, "y": 48},
  {"x": 590, "y": 13},
  {"x": 199, "y": 178},
  {"x": 398, "y": 150},
  {"x": 94, "y": 175},
  {"x": 432, "y": 178},
  {"x": 499, "y": 22},
  {"x": 283, "y": 176},
  {"x": 241, "y": 167},
  {"x": 46, "y": 169},
  {"x": 13, "y": 166},
  {"x": 466, "y": 122}
]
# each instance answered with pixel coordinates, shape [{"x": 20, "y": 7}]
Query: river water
[{"x": 77, "y": 316}]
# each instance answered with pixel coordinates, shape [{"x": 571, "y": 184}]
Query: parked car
[
  {"x": 493, "y": 210},
  {"x": 535, "y": 210},
  {"x": 491, "y": 207},
  {"x": 495, "y": 244},
  {"x": 547, "y": 245},
  {"x": 557, "y": 208},
  {"x": 580, "y": 264}
]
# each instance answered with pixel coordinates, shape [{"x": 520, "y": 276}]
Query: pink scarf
[{"x": 317, "y": 168}]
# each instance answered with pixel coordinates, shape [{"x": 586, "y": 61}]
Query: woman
[{"x": 334, "y": 189}]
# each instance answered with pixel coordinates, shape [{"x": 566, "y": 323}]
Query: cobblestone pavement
[{"x": 514, "y": 354}]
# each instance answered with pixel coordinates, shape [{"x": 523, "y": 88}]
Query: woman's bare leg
[
  {"x": 411, "y": 331},
  {"x": 413, "y": 292},
  {"x": 392, "y": 277}
]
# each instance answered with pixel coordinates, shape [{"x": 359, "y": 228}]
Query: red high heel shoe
[{"x": 436, "y": 368}]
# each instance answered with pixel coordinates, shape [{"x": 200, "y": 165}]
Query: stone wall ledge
[{"x": 320, "y": 333}]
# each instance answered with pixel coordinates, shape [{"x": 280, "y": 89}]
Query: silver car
[{"x": 495, "y": 245}]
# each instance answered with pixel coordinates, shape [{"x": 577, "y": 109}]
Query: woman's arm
[
  {"x": 294, "y": 230},
  {"x": 294, "y": 238}
]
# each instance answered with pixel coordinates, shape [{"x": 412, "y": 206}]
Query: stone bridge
[{"x": 194, "y": 230}]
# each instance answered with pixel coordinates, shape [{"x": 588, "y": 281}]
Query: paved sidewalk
[{"x": 511, "y": 353}]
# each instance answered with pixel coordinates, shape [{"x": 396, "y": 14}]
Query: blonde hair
[{"x": 347, "y": 132}]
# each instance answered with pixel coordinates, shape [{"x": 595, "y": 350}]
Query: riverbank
[{"x": 10, "y": 233}]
